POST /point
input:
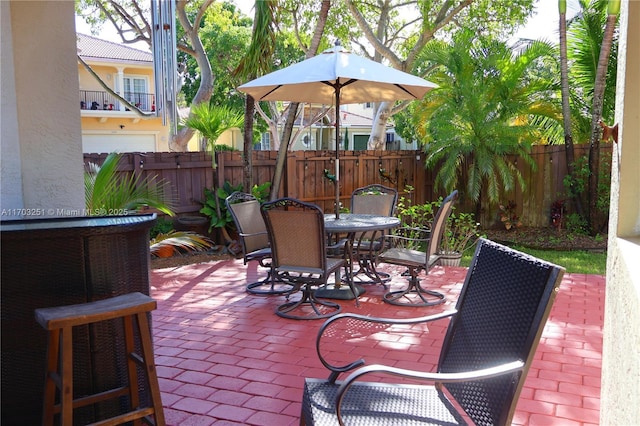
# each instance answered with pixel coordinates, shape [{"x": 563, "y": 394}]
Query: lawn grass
[{"x": 577, "y": 262}]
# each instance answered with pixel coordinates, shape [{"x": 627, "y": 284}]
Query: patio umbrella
[{"x": 337, "y": 76}]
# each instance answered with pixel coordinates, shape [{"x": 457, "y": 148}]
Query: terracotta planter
[
  {"x": 450, "y": 259},
  {"x": 164, "y": 251}
]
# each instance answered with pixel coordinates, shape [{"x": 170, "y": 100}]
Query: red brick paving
[{"x": 225, "y": 358}]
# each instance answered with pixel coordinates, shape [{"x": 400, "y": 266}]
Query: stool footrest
[
  {"x": 126, "y": 417},
  {"x": 98, "y": 397}
]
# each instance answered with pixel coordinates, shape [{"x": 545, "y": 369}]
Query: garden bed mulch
[
  {"x": 547, "y": 239},
  {"x": 536, "y": 238}
]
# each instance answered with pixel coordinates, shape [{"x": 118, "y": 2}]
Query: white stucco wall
[
  {"x": 620, "y": 392},
  {"x": 10, "y": 169},
  {"x": 40, "y": 113}
]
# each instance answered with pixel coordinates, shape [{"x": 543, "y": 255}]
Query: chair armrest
[
  {"x": 337, "y": 369},
  {"x": 485, "y": 373},
  {"x": 341, "y": 248}
]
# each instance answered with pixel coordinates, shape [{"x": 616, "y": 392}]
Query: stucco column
[
  {"x": 43, "y": 117},
  {"x": 120, "y": 86}
]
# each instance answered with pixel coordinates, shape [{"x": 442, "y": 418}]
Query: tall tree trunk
[
  {"x": 596, "y": 111},
  {"x": 247, "y": 157},
  {"x": 205, "y": 91},
  {"x": 378, "y": 138},
  {"x": 566, "y": 110},
  {"x": 288, "y": 126}
]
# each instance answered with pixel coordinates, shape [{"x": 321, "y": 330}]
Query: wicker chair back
[{"x": 502, "y": 309}]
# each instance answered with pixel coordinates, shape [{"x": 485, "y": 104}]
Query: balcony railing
[{"x": 97, "y": 100}]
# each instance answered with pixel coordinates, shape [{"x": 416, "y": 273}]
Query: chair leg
[
  {"x": 66, "y": 378},
  {"x": 414, "y": 294},
  {"x": 53, "y": 352},
  {"x": 150, "y": 368},
  {"x": 308, "y": 299},
  {"x": 271, "y": 285}
]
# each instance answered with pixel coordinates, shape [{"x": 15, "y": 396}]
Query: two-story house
[{"x": 107, "y": 123}]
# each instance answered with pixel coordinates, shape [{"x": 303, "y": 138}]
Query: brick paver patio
[{"x": 224, "y": 357}]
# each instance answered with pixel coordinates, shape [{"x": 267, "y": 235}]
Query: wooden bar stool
[{"x": 59, "y": 321}]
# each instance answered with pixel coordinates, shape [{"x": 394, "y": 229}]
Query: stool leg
[
  {"x": 53, "y": 352},
  {"x": 150, "y": 368},
  {"x": 134, "y": 396},
  {"x": 66, "y": 378}
]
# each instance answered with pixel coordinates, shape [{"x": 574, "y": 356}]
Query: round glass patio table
[{"x": 350, "y": 224}]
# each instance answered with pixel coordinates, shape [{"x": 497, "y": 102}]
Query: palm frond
[
  {"x": 106, "y": 190},
  {"x": 179, "y": 241}
]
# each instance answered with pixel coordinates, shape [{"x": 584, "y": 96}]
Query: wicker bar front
[{"x": 54, "y": 262}]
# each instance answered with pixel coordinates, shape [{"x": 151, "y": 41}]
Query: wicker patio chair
[
  {"x": 299, "y": 255},
  {"x": 377, "y": 200},
  {"x": 245, "y": 211},
  {"x": 486, "y": 353},
  {"x": 416, "y": 261}
]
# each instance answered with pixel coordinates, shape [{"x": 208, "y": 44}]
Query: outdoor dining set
[{"x": 331, "y": 256}]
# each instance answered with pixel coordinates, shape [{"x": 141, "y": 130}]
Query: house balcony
[{"x": 104, "y": 105}]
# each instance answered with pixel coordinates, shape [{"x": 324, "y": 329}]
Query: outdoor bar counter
[{"x": 64, "y": 261}]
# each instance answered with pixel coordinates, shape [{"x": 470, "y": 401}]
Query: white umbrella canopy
[
  {"x": 317, "y": 80},
  {"x": 337, "y": 76}
]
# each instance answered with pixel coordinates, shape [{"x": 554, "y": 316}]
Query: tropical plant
[
  {"x": 479, "y": 118},
  {"x": 415, "y": 220},
  {"x": 460, "y": 233},
  {"x": 211, "y": 121},
  {"x": 215, "y": 207},
  {"x": 165, "y": 245},
  {"x": 508, "y": 215},
  {"x": 107, "y": 192}
]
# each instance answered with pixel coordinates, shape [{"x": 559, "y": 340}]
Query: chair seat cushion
[
  {"x": 407, "y": 257},
  {"x": 377, "y": 404}
]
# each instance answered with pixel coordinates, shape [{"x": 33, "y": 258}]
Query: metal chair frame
[
  {"x": 379, "y": 200},
  {"x": 486, "y": 353},
  {"x": 299, "y": 255},
  {"x": 417, "y": 261},
  {"x": 245, "y": 211}
]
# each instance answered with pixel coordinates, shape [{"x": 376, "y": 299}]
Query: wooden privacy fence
[{"x": 189, "y": 173}]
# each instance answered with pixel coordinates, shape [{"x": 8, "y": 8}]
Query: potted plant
[{"x": 460, "y": 234}]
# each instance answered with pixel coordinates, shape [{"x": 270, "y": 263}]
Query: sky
[{"x": 542, "y": 25}]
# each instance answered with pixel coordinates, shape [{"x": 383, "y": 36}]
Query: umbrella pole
[{"x": 337, "y": 153}]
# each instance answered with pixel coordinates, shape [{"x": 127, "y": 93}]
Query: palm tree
[
  {"x": 481, "y": 112},
  {"x": 592, "y": 55},
  {"x": 107, "y": 193},
  {"x": 566, "y": 106},
  {"x": 211, "y": 122},
  {"x": 613, "y": 8},
  {"x": 258, "y": 60}
]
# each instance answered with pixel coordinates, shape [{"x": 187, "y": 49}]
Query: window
[
  {"x": 368, "y": 105},
  {"x": 265, "y": 142},
  {"x": 135, "y": 91}
]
